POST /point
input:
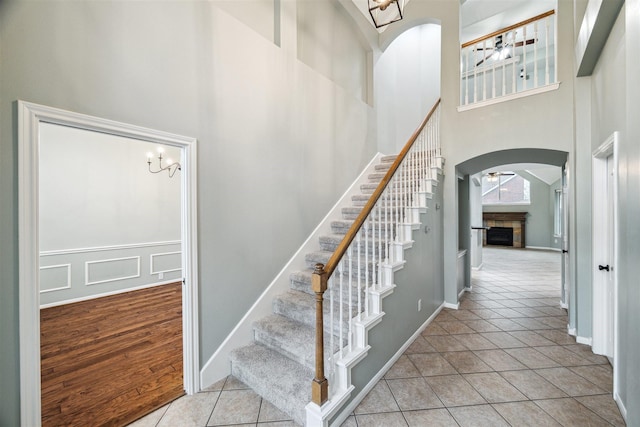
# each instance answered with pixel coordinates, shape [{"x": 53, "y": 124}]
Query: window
[
  {"x": 557, "y": 214},
  {"x": 506, "y": 188}
]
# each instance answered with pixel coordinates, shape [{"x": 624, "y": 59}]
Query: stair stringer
[
  {"x": 319, "y": 416},
  {"x": 218, "y": 366}
]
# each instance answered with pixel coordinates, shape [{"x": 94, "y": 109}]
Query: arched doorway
[{"x": 472, "y": 236}]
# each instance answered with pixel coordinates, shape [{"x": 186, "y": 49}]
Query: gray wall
[
  {"x": 407, "y": 85},
  {"x": 421, "y": 278},
  {"x": 611, "y": 103},
  {"x": 278, "y": 141},
  {"x": 539, "y": 225}
]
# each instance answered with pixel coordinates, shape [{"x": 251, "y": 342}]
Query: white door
[
  {"x": 604, "y": 199},
  {"x": 609, "y": 274},
  {"x": 564, "y": 209}
]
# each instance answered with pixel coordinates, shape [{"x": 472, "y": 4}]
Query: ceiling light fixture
[
  {"x": 172, "y": 167},
  {"x": 384, "y": 12}
]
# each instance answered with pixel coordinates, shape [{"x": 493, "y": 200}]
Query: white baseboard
[
  {"x": 348, "y": 410},
  {"x": 571, "y": 331},
  {"x": 584, "y": 340},
  {"x": 623, "y": 409},
  {"x": 478, "y": 267},
  {"x": 451, "y": 306},
  {"x": 543, "y": 248},
  {"x": 106, "y": 294},
  {"x": 218, "y": 365}
]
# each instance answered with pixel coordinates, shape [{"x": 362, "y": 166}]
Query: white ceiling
[
  {"x": 547, "y": 174},
  {"x": 481, "y": 17}
]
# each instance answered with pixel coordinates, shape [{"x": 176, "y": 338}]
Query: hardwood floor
[{"x": 111, "y": 360}]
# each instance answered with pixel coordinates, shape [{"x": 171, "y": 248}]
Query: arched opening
[{"x": 541, "y": 215}]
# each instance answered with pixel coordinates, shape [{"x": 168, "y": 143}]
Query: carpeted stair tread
[
  {"x": 313, "y": 258},
  {"x": 389, "y": 158},
  {"x": 330, "y": 243},
  {"x": 301, "y": 281},
  {"x": 293, "y": 339},
  {"x": 280, "y": 380},
  {"x": 301, "y": 307}
]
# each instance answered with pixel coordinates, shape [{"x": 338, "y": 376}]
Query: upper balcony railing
[{"x": 508, "y": 62}]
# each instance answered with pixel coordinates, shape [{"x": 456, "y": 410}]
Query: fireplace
[
  {"x": 498, "y": 221},
  {"x": 502, "y": 236}
]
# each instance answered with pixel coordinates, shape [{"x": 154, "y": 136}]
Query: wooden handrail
[
  {"x": 331, "y": 265},
  {"x": 321, "y": 274},
  {"x": 512, "y": 27}
]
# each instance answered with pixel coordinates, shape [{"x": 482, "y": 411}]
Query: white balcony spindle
[
  {"x": 546, "y": 50},
  {"x": 524, "y": 58},
  {"x": 535, "y": 54},
  {"x": 466, "y": 79}
]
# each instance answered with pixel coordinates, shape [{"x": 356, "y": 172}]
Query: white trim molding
[
  {"x": 604, "y": 241},
  {"x": 87, "y": 270},
  {"x": 30, "y": 116},
  {"x": 151, "y": 264},
  {"x": 108, "y": 248},
  {"x": 67, "y": 286}
]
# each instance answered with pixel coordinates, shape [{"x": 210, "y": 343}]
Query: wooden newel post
[{"x": 320, "y": 385}]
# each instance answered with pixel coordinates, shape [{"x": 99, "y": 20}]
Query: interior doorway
[
  {"x": 31, "y": 119},
  {"x": 604, "y": 253}
]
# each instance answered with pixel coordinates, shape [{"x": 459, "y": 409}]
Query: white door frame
[
  {"x": 564, "y": 207},
  {"x": 29, "y": 118},
  {"x": 600, "y": 252}
]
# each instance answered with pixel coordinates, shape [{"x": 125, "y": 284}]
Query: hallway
[{"x": 504, "y": 358}]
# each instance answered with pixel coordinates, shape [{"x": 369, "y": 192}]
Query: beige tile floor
[{"x": 504, "y": 358}]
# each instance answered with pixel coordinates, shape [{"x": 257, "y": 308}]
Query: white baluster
[
  {"x": 367, "y": 223},
  {"x": 513, "y": 64},
  {"x": 359, "y": 257},
  {"x": 341, "y": 308},
  {"x": 484, "y": 71},
  {"x": 330, "y": 363},
  {"x": 350, "y": 273},
  {"x": 493, "y": 79},
  {"x": 546, "y": 51},
  {"x": 475, "y": 74},
  {"x": 524, "y": 58},
  {"x": 466, "y": 79},
  {"x": 535, "y": 54},
  {"x": 379, "y": 206}
]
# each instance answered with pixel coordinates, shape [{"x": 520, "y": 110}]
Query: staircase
[
  {"x": 355, "y": 263},
  {"x": 279, "y": 364}
]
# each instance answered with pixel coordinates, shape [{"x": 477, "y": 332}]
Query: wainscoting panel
[
  {"x": 55, "y": 278},
  {"x": 165, "y": 262},
  {"x": 111, "y": 270},
  {"x": 100, "y": 271}
]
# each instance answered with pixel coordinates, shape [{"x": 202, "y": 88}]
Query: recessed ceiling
[
  {"x": 481, "y": 17},
  {"x": 546, "y": 173}
]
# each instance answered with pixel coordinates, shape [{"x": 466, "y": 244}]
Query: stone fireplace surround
[{"x": 515, "y": 220}]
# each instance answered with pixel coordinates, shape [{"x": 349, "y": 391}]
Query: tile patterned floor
[{"x": 503, "y": 359}]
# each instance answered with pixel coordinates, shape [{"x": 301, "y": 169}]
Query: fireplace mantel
[
  {"x": 515, "y": 220},
  {"x": 505, "y": 216}
]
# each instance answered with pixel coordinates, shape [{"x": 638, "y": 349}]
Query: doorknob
[
  {"x": 603, "y": 267},
  {"x": 564, "y": 251}
]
